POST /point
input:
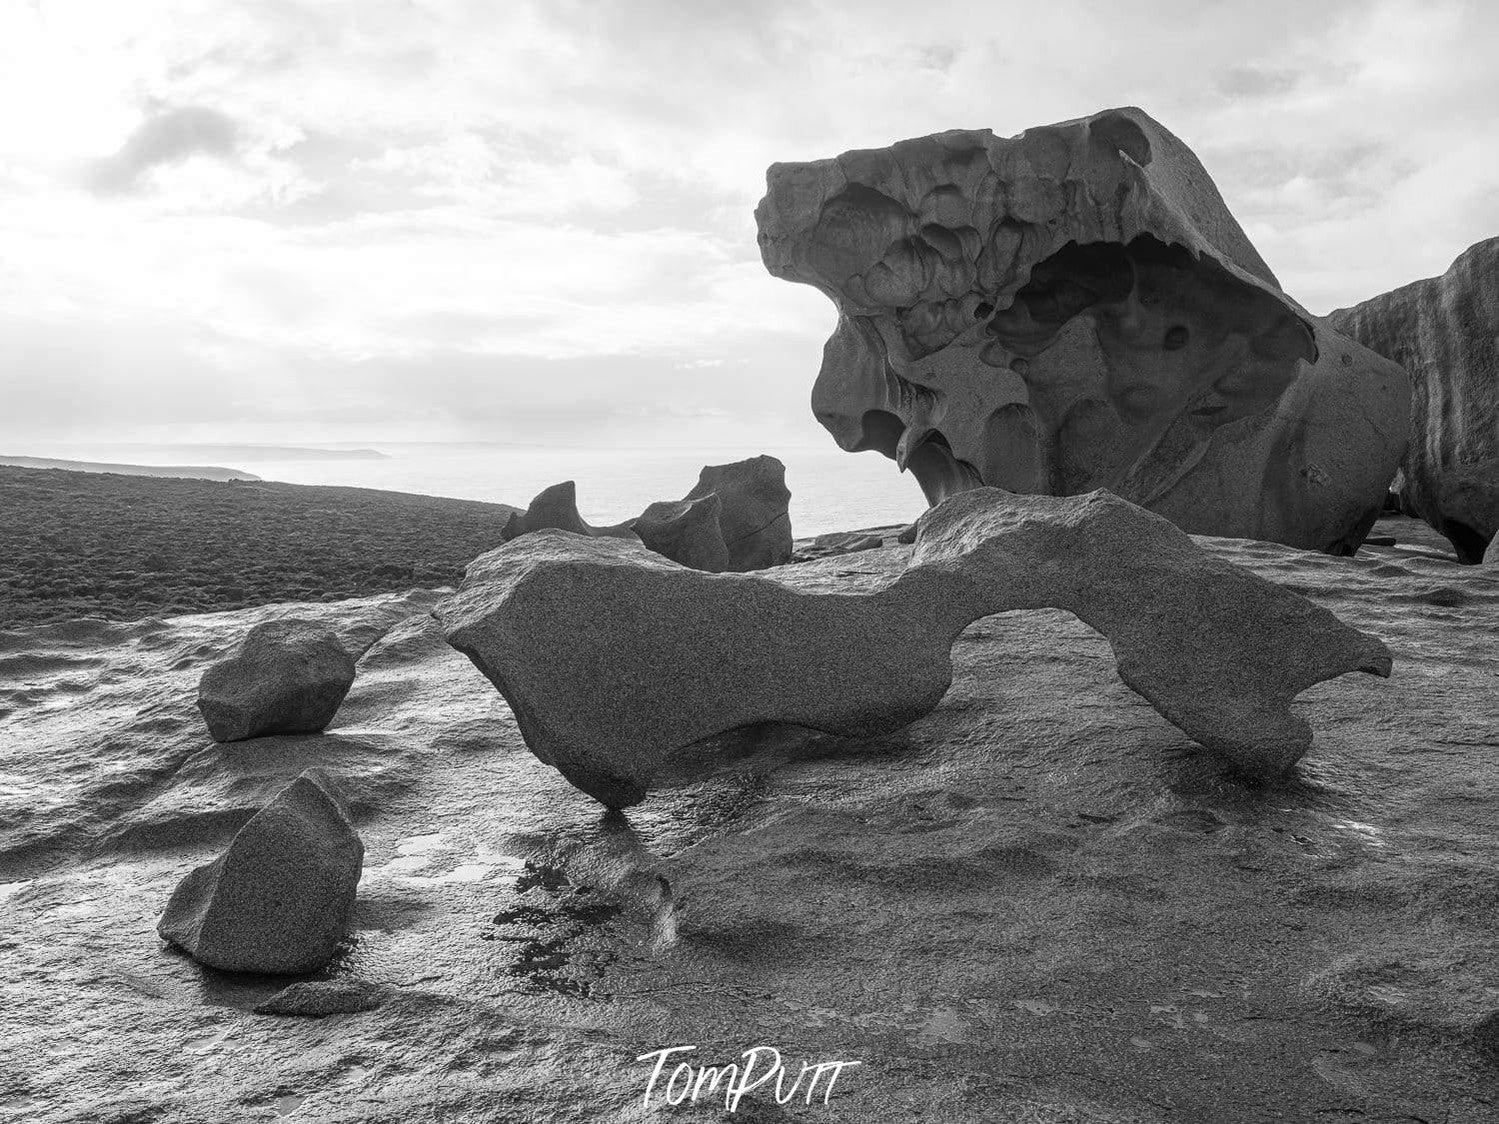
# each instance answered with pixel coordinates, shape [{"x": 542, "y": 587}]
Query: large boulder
[
  {"x": 611, "y": 656},
  {"x": 280, "y": 899},
  {"x": 754, "y": 510},
  {"x": 1445, "y": 332},
  {"x": 1075, "y": 308},
  {"x": 287, "y": 677}
]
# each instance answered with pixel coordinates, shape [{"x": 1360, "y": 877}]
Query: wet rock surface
[
  {"x": 612, "y": 658},
  {"x": 1040, "y": 901},
  {"x": 286, "y": 677}
]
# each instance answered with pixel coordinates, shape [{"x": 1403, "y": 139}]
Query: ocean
[{"x": 830, "y": 490}]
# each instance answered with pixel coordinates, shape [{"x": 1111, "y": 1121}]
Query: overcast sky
[{"x": 319, "y": 221}]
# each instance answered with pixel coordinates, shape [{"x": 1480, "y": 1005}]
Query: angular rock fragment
[
  {"x": 611, "y": 657},
  {"x": 736, "y": 518},
  {"x": 686, "y": 531},
  {"x": 316, "y": 999},
  {"x": 286, "y": 677},
  {"x": 1075, "y": 308},
  {"x": 557, "y": 508},
  {"x": 281, "y": 897},
  {"x": 1445, "y": 332},
  {"x": 754, "y": 510},
  {"x": 839, "y": 542}
]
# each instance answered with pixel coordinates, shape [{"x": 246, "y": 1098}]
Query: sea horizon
[{"x": 831, "y": 490}]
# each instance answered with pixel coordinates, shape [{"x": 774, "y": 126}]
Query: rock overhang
[{"x": 1073, "y": 308}]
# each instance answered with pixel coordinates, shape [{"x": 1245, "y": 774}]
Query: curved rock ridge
[
  {"x": 612, "y": 657},
  {"x": 280, "y": 898},
  {"x": 736, "y": 518},
  {"x": 1075, "y": 308},
  {"x": 1445, "y": 332}
]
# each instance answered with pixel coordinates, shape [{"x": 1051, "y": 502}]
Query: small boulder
[
  {"x": 315, "y": 999},
  {"x": 287, "y": 677},
  {"x": 1491, "y": 555},
  {"x": 281, "y": 897}
]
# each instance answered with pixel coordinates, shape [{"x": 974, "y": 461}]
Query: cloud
[
  {"x": 417, "y": 215},
  {"x": 166, "y": 137}
]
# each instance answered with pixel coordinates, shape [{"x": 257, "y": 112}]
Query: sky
[{"x": 372, "y": 220}]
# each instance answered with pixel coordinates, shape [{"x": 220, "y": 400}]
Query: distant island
[
  {"x": 183, "y": 471},
  {"x": 281, "y": 453}
]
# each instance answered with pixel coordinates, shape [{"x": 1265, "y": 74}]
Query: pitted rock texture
[
  {"x": 612, "y": 657},
  {"x": 279, "y": 900},
  {"x": 287, "y": 677},
  {"x": 736, "y": 518},
  {"x": 1445, "y": 332},
  {"x": 1075, "y": 308}
]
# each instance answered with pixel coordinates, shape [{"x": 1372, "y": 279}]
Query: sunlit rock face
[
  {"x": 1075, "y": 308},
  {"x": 1445, "y": 332}
]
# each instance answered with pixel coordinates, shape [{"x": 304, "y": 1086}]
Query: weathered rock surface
[
  {"x": 1040, "y": 902},
  {"x": 735, "y": 518},
  {"x": 1491, "y": 555},
  {"x": 287, "y": 677},
  {"x": 1075, "y": 308},
  {"x": 557, "y": 508},
  {"x": 753, "y": 514},
  {"x": 280, "y": 899},
  {"x": 1445, "y": 332},
  {"x": 611, "y": 658},
  {"x": 686, "y": 531}
]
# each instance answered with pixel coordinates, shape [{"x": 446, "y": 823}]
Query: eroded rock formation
[
  {"x": 754, "y": 510},
  {"x": 281, "y": 897},
  {"x": 556, "y": 508},
  {"x": 287, "y": 677},
  {"x": 1075, "y": 308},
  {"x": 611, "y": 656},
  {"x": 1445, "y": 332},
  {"x": 736, "y": 518}
]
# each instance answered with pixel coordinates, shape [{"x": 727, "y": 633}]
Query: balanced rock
[
  {"x": 280, "y": 899},
  {"x": 1075, "y": 308},
  {"x": 1445, "y": 332},
  {"x": 557, "y": 508},
  {"x": 611, "y": 656},
  {"x": 286, "y": 677}
]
